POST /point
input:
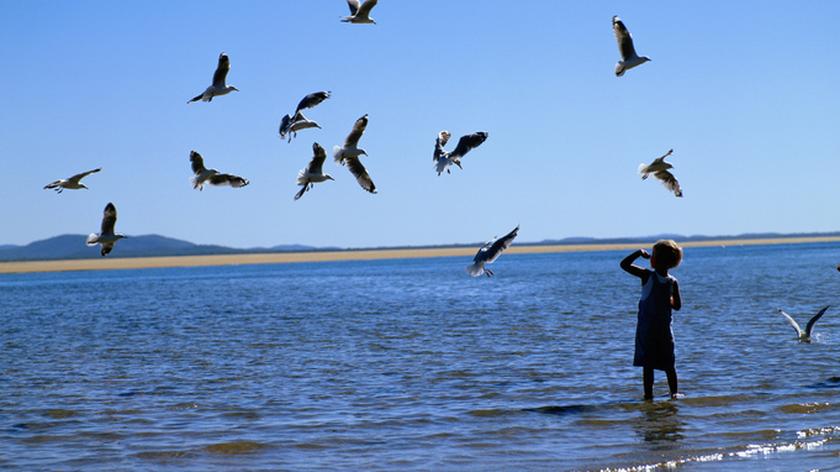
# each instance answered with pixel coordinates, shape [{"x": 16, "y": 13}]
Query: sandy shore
[{"x": 291, "y": 257}]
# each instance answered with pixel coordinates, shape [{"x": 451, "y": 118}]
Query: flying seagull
[
  {"x": 659, "y": 169},
  {"x": 360, "y": 14},
  {"x": 351, "y": 144},
  {"x": 489, "y": 253},
  {"x": 629, "y": 58},
  {"x": 290, "y": 126},
  {"x": 214, "y": 177},
  {"x": 218, "y": 87},
  {"x": 314, "y": 172},
  {"x": 106, "y": 237},
  {"x": 312, "y": 100},
  {"x": 809, "y": 328},
  {"x": 443, "y": 159},
  {"x": 70, "y": 183}
]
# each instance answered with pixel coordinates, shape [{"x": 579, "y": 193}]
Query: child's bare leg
[
  {"x": 672, "y": 380},
  {"x": 647, "y": 378}
]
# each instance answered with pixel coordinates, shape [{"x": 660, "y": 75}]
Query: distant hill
[{"x": 72, "y": 246}]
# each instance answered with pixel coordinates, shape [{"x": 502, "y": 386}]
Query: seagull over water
[
  {"x": 106, "y": 237},
  {"x": 443, "y": 159},
  {"x": 629, "y": 58},
  {"x": 349, "y": 154},
  {"x": 659, "y": 169},
  {"x": 218, "y": 87},
  {"x": 809, "y": 328},
  {"x": 489, "y": 253},
  {"x": 360, "y": 14},
  {"x": 314, "y": 172},
  {"x": 204, "y": 175},
  {"x": 70, "y": 183}
]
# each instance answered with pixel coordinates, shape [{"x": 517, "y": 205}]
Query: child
[{"x": 660, "y": 294}]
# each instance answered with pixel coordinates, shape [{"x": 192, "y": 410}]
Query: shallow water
[{"x": 411, "y": 364}]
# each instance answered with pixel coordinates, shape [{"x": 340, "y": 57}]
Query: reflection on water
[
  {"x": 412, "y": 365},
  {"x": 660, "y": 422}
]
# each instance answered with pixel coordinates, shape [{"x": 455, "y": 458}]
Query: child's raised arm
[{"x": 630, "y": 268}]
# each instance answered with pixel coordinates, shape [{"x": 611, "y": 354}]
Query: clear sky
[{"x": 745, "y": 92}]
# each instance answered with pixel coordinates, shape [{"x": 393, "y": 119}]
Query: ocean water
[{"x": 410, "y": 364}]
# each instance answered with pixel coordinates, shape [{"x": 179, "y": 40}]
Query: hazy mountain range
[{"x": 72, "y": 246}]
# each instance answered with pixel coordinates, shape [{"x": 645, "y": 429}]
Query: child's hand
[{"x": 644, "y": 254}]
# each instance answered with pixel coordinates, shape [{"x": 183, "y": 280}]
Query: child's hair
[{"x": 667, "y": 253}]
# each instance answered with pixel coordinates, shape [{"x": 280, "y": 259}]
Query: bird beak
[{"x": 330, "y": 177}]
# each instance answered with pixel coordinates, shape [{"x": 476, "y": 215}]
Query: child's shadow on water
[{"x": 660, "y": 422}]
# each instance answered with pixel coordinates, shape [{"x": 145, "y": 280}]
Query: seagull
[
  {"x": 657, "y": 165},
  {"x": 466, "y": 144},
  {"x": 290, "y": 126},
  {"x": 659, "y": 169},
  {"x": 312, "y": 100},
  {"x": 314, "y": 172},
  {"x": 806, "y": 336},
  {"x": 489, "y": 253},
  {"x": 360, "y": 14},
  {"x": 350, "y": 148},
  {"x": 218, "y": 87},
  {"x": 629, "y": 58},
  {"x": 203, "y": 175},
  {"x": 71, "y": 183},
  {"x": 106, "y": 238}
]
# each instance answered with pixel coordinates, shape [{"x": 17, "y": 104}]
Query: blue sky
[{"x": 745, "y": 92}]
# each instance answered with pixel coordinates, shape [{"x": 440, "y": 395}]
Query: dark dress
[{"x": 654, "y": 337}]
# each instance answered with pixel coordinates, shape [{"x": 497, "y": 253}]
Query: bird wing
[
  {"x": 354, "y": 6},
  {"x": 364, "y": 10},
  {"x": 311, "y": 100},
  {"x": 197, "y": 162},
  {"x": 52, "y": 184},
  {"x": 358, "y": 129},
  {"x": 319, "y": 155},
  {"x": 359, "y": 171},
  {"x": 468, "y": 143},
  {"x": 222, "y": 69},
  {"x": 625, "y": 41},
  {"x": 228, "y": 179},
  {"x": 500, "y": 244},
  {"x": 440, "y": 143},
  {"x": 285, "y": 124},
  {"x": 669, "y": 181},
  {"x": 109, "y": 219},
  {"x": 792, "y": 323},
  {"x": 483, "y": 252},
  {"x": 81, "y": 176},
  {"x": 810, "y": 326}
]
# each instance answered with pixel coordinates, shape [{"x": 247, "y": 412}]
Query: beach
[{"x": 117, "y": 263}]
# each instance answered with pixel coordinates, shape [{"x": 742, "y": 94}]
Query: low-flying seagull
[
  {"x": 218, "y": 87},
  {"x": 70, "y": 183},
  {"x": 443, "y": 159},
  {"x": 659, "y": 169},
  {"x": 360, "y": 14},
  {"x": 314, "y": 172},
  {"x": 351, "y": 144},
  {"x": 809, "y": 328},
  {"x": 204, "y": 175},
  {"x": 290, "y": 126},
  {"x": 312, "y": 100},
  {"x": 629, "y": 58},
  {"x": 106, "y": 237},
  {"x": 489, "y": 253}
]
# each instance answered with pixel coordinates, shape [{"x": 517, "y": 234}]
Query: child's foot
[{"x": 677, "y": 396}]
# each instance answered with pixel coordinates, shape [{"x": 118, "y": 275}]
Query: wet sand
[{"x": 110, "y": 263}]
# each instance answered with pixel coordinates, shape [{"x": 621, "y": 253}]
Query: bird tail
[
  {"x": 338, "y": 154},
  {"x": 643, "y": 170},
  {"x": 195, "y": 182},
  {"x": 442, "y": 164},
  {"x": 476, "y": 269},
  {"x": 92, "y": 239}
]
